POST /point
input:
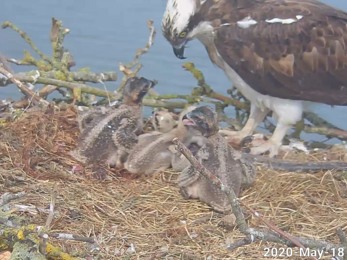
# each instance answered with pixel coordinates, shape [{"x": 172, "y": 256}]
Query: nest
[{"x": 136, "y": 217}]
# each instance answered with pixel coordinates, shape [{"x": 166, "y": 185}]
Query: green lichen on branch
[
  {"x": 30, "y": 60},
  {"x": 57, "y": 47},
  {"x": 57, "y": 36},
  {"x": 190, "y": 99},
  {"x": 27, "y": 39},
  {"x": 26, "y": 249},
  {"x": 18, "y": 239},
  {"x": 205, "y": 90}
]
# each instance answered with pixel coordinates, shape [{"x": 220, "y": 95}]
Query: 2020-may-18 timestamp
[{"x": 300, "y": 252}]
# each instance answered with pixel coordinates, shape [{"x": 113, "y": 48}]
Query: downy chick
[
  {"x": 87, "y": 118},
  {"x": 220, "y": 159},
  {"x": 194, "y": 142},
  {"x": 108, "y": 136},
  {"x": 163, "y": 121},
  {"x": 153, "y": 153}
]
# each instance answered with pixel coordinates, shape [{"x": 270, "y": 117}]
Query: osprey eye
[{"x": 183, "y": 34}]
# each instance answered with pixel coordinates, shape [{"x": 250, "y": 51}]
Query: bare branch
[
  {"x": 75, "y": 76},
  {"x": 7, "y": 197},
  {"x": 5, "y": 64},
  {"x": 318, "y": 121},
  {"x": 65, "y": 236},
  {"x": 51, "y": 207},
  {"x": 291, "y": 166},
  {"x": 29, "y": 94},
  {"x": 149, "y": 44}
]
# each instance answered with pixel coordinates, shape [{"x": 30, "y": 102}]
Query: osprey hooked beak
[{"x": 179, "y": 51}]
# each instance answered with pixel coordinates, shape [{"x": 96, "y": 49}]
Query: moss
[
  {"x": 77, "y": 93},
  {"x": 41, "y": 65},
  {"x": 55, "y": 251},
  {"x": 28, "y": 58},
  {"x": 54, "y": 46},
  {"x": 3, "y": 244},
  {"x": 26, "y": 250},
  {"x": 196, "y": 73},
  {"x": 86, "y": 69},
  {"x": 197, "y": 92},
  {"x": 60, "y": 76}
]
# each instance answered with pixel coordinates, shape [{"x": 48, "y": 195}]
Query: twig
[
  {"x": 42, "y": 233},
  {"x": 51, "y": 207},
  {"x": 28, "y": 40},
  {"x": 291, "y": 166},
  {"x": 5, "y": 64},
  {"x": 189, "y": 98},
  {"x": 71, "y": 237},
  {"x": 223, "y": 117},
  {"x": 29, "y": 60},
  {"x": 7, "y": 197},
  {"x": 206, "y": 90},
  {"x": 31, "y": 209},
  {"x": 69, "y": 85},
  {"x": 341, "y": 134},
  {"x": 273, "y": 227},
  {"x": 149, "y": 101},
  {"x": 43, "y": 243},
  {"x": 246, "y": 241},
  {"x": 57, "y": 36},
  {"x": 318, "y": 121},
  {"x": 24, "y": 89},
  {"x": 126, "y": 69},
  {"x": 251, "y": 234},
  {"x": 149, "y": 44},
  {"x": 75, "y": 76}
]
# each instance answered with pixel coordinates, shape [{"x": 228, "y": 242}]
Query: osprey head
[
  {"x": 204, "y": 119},
  {"x": 135, "y": 89},
  {"x": 176, "y": 24}
]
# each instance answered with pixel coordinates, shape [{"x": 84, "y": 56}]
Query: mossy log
[
  {"x": 24, "y": 241},
  {"x": 26, "y": 249}
]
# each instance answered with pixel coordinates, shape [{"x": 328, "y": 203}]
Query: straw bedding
[{"x": 146, "y": 218}]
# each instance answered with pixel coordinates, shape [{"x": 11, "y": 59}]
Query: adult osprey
[{"x": 280, "y": 54}]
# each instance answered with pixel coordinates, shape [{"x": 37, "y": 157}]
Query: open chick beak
[
  {"x": 187, "y": 121},
  {"x": 179, "y": 52}
]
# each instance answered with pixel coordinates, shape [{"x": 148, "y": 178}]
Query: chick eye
[{"x": 183, "y": 34}]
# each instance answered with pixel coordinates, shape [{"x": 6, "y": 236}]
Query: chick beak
[{"x": 187, "y": 121}]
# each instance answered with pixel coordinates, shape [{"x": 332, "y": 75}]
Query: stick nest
[{"x": 146, "y": 218}]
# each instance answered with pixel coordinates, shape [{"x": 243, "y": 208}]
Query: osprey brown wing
[{"x": 301, "y": 55}]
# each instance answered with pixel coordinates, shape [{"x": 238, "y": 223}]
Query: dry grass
[{"x": 121, "y": 211}]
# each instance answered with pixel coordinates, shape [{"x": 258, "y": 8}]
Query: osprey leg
[
  {"x": 256, "y": 117},
  {"x": 275, "y": 141}
]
